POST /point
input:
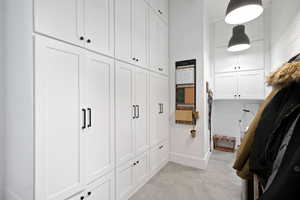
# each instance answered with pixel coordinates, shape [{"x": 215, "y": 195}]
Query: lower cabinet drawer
[
  {"x": 103, "y": 189},
  {"x": 132, "y": 175},
  {"x": 158, "y": 156}
]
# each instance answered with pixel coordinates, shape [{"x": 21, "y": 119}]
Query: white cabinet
[
  {"x": 74, "y": 118},
  {"x": 252, "y": 58},
  {"x": 131, "y": 24},
  {"x": 240, "y": 85},
  {"x": 98, "y": 23},
  {"x": 98, "y": 77},
  {"x": 251, "y": 84},
  {"x": 161, "y": 7},
  {"x": 59, "y": 19},
  {"x": 131, "y": 175},
  {"x": 85, "y": 23},
  {"x": 59, "y": 139},
  {"x": 226, "y": 86},
  {"x": 158, "y": 156},
  {"x": 225, "y": 61},
  {"x": 131, "y": 112},
  {"x": 102, "y": 189},
  {"x": 158, "y": 39},
  {"x": 159, "y": 112}
]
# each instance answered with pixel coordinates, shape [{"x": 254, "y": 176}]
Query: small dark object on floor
[{"x": 224, "y": 143}]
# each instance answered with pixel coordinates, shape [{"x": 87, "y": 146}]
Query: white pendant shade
[{"x": 239, "y": 47}]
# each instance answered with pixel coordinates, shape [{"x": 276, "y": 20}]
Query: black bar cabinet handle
[
  {"x": 84, "y": 119},
  {"x": 138, "y": 111},
  {"x": 90, "y": 117},
  {"x": 134, "y": 112}
]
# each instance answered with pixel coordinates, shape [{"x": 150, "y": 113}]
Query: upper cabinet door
[
  {"x": 225, "y": 61},
  {"x": 99, "y": 93},
  {"x": 141, "y": 100},
  {"x": 164, "y": 47},
  {"x": 252, "y": 58},
  {"x": 59, "y": 139},
  {"x": 163, "y": 117},
  {"x": 154, "y": 37},
  {"x": 123, "y": 30},
  {"x": 251, "y": 84},
  {"x": 140, "y": 31},
  {"x": 61, "y": 19},
  {"x": 125, "y": 113},
  {"x": 99, "y": 29},
  {"x": 226, "y": 86}
]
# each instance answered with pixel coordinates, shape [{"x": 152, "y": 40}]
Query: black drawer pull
[{"x": 84, "y": 119}]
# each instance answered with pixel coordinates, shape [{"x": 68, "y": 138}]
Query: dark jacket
[{"x": 275, "y": 122}]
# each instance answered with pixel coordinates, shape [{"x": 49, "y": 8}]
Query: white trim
[{"x": 191, "y": 161}]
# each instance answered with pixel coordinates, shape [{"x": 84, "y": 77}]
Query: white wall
[
  {"x": 226, "y": 116},
  {"x": 186, "y": 33},
  {"x": 19, "y": 100},
  {"x": 285, "y": 31},
  {"x": 1, "y": 101}
]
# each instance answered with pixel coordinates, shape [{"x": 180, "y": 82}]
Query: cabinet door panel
[
  {"x": 141, "y": 169},
  {"x": 252, "y": 58},
  {"x": 226, "y": 86},
  {"x": 141, "y": 99},
  {"x": 154, "y": 109},
  {"x": 225, "y": 61},
  {"x": 104, "y": 189},
  {"x": 124, "y": 113},
  {"x": 59, "y": 19},
  {"x": 251, "y": 85},
  {"x": 124, "y": 25},
  {"x": 125, "y": 181},
  {"x": 99, "y": 25},
  {"x": 163, "y": 117},
  {"x": 154, "y": 49},
  {"x": 59, "y": 159},
  {"x": 99, "y": 72},
  {"x": 140, "y": 31},
  {"x": 164, "y": 48}
]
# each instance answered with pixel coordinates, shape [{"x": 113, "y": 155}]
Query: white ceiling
[{"x": 217, "y": 8}]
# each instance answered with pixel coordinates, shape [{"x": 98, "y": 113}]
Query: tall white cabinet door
[
  {"x": 125, "y": 181},
  {"x": 225, "y": 61},
  {"x": 124, "y": 30},
  {"x": 164, "y": 47},
  {"x": 251, "y": 84},
  {"x": 226, "y": 86},
  {"x": 155, "y": 108},
  {"x": 99, "y": 91},
  {"x": 140, "y": 31},
  {"x": 125, "y": 148},
  {"x": 163, "y": 116},
  {"x": 102, "y": 189},
  {"x": 59, "y": 159},
  {"x": 59, "y": 19},
  {"x": 141, "y": 100},
  {"x": 253, "y": 58},
  {"x": 154, "y": 36},
  {"x": 99, "y": 25}
]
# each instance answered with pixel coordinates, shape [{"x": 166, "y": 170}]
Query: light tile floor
[{"x": 177, "y": 182}]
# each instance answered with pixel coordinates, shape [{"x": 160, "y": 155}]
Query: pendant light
[
  {"x": 242, "y": 11},
  {"x": 239, "y": 40}
]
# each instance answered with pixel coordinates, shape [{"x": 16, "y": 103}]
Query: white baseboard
[{"x": 191, "y": 161}]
